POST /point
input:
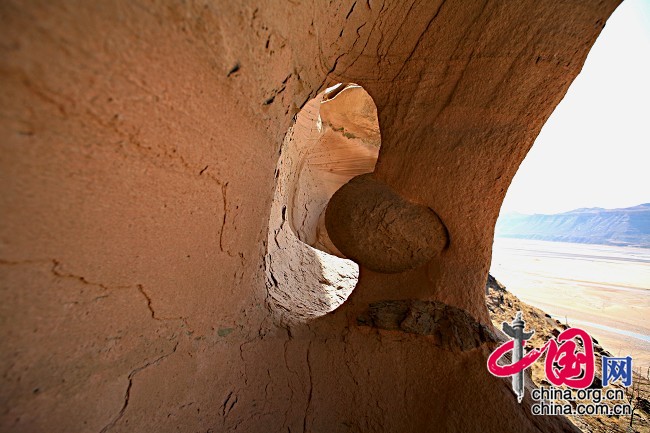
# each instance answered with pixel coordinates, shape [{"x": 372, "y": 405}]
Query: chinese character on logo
[
  {"x": 569, "y": 357},
  {"x": 566, "y": 364},
  {"x": 617, "y": 368}
]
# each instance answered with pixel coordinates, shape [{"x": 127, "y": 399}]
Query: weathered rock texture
[
  {"x": 371, "y": 224},
  {"x": 307, "y": 276},
  {"x": 140, "y": 142}
]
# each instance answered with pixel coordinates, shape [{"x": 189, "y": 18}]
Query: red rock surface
[{"x": 140, "y": 143}]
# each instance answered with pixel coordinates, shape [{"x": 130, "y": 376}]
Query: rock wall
[{"x": 140, "y": 142}]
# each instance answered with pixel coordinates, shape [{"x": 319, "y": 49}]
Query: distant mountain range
[{"x": 625, "y": 227}]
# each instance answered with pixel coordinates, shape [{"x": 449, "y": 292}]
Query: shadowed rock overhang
[{"x": 140, "y": 149}]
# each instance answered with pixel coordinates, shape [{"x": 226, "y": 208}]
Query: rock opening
[{"x": 334, "y": 138}]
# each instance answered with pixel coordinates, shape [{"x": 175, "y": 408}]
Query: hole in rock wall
[{"x": 334, "y": 138}]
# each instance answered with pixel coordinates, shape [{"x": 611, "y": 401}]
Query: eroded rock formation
[
  {"x": 334, "y": 138},
  {"x": 371, "y": 224},
  {"x": 141, "y": 145}
]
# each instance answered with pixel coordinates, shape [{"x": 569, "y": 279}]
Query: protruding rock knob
[{"x": 374, "y": 226}]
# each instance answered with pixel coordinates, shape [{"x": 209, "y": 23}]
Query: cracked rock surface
[{"x": 139, "y": 149}]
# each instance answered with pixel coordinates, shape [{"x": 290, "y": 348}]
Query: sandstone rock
[
  {"x": 369, "y": 223},
  {"x": 307, "y": 276},
  {"x": 139, "y": 154}
]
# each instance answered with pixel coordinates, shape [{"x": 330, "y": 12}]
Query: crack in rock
[{"x": 127, "y": 394}]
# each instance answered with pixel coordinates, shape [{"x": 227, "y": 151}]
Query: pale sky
[{"x": 594, "y": 151}]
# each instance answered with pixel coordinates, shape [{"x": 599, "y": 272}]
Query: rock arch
[
  {"x": 334, "y": 138},
  {"x": 139, "y": 152}
]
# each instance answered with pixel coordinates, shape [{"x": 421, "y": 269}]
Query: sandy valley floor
[{"x": 604, "y": 289}]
